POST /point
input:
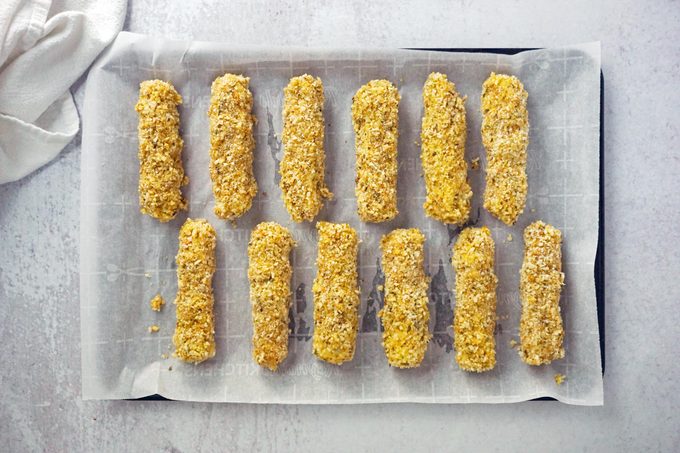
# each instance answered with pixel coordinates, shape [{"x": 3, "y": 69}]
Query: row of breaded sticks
[
  {"x": 405, "y": 315},
  {"x": 375, "y": 106}
]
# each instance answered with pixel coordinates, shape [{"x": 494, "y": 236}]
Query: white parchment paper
[{"x": 126, "y": 257}]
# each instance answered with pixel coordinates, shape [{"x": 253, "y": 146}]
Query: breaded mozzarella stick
[
  {"x": 303, "y": 165},
  {"x": 375, "y": 117},
  {"x": 475, "y": 311},
  {"x": 505, "y": 135},
  {"x": 194, "y": 337},
  {"x": 336, "y": 293},
  {"x": 269, "y": 273},
  {"x": 443, "y": 135},
  {"x": 161, "y": 174},
  {"x": 540, "y": 330},
  {"x": 231, "y": 146},
  {"x": 405, "y": 315}
]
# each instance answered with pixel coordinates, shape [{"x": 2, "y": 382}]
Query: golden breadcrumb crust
[
  {"x": 475, "y": 311},
  {"x": 443, "y": 134},
  {"x": 375, "y": 117},
  {"x": 336, "y": 293},
  {"x": 157, "y": 302},
  {"x": 269, "y": 273},
  {"x": 231, "y": 146},
  {"x": 194, "y": 337},
  {"x": 161, "y": 174},
  {"x": 540, "y": 330},
  {"x": 405, "y": 315},
  {"x": 505, "y": 135},
  {"x": 303, "y": 165}
]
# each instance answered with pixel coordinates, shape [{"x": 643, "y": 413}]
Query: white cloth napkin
[{"x": 45, "y": 46}]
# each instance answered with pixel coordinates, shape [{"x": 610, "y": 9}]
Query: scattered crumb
[
  {"x": 157, "y": 303},
  {"x": 509, "y": 237},
  {"x": 154, "y": 329},
  {"x": 380, "y": 288},
  {"x": 474, "y": 163},
  {"x": 533, "y": 209},
  {"x": 147, "y": 274},
  {"x": 560, "y": 378},
  {"x": 513, "y": 344},
  {"x": 164, "y": 356}
]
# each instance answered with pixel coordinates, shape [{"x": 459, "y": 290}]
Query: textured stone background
[{"x": 40, "y": 405}]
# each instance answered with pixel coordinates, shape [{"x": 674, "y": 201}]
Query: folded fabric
[{"x": 45, "y": 46}]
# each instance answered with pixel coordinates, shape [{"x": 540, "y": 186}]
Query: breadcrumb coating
[
  {"x": 406, "y": 314},
  {"x": 475, "y": 311},
  {"x": 194, "y": 337},
  {"x": 157, "y": 303},
  {"x": 269, "y": 273},
  {"x": 505, "y": 135},
  {"x": 161, "y": 174},
  {"x": 303, "y": 165},
  {"x": 336, "y": 293},
  {"x": 231, "y": 146},
  {"x": 540, "y": 330},
  {"x": 375, "y": 117},
  {"x": 443, "y": 134}
]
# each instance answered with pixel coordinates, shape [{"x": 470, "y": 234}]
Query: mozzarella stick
[
  {"x": 375, "y": 117},
  {"x": 336, "y": 293},
  {"x": 303, "y": 165},
  {"x": 475, "y": 311},
  {"x": 505, "y": 135},
  {"x": 269, "y": 273},
  {"x": 541, "y": 279},
  {"x": 231, "y": 146},
  {"x": 442, "y": 135},
  {"x": 194, "y": 337},
  {"x": 406, "y": 315},
  {"x": 161, "y": 174}
]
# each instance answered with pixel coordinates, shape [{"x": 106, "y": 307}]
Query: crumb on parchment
[
  {"x": 560, "y": 378},
  {"x": 154, "y": 328},
  {"x": 474, "y": 163},
  {"x": 508, "y": 237},
  {"x": 157, "y": 303}
]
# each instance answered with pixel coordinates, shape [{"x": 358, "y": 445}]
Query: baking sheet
[{"x": 126, "y": 258}]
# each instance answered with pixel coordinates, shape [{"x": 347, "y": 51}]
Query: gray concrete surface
[{"x": 40, "y": 404}]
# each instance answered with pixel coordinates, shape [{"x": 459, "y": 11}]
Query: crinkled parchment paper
[{"x": 126, "y": 257}]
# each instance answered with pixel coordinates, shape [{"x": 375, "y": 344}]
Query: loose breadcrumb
[
  {"x": 231, "y": 146},
  {"x": 474, "y": 163},
  {"x": 161, "y": 174},
  {"x": 157, "y": 303},
  {"x": 406, "y": 315},
  {"x": 336, "y": 293},
  {"x": 303, "y": 165},
  {"x": 269, "y": 273},
  {"x": 505, "y": 135},
  {"x": 154, "y": 329},
  {"x": 514, "y": 343},
  {"x": 194, "y": 337},
  {"x": 560, "y": 378},
  {"x": 541, "y": 279},
  {"x": 508, "y": 237},
  {"x": 164, "y": 356},
  {"x": 475, "y": 310},
  {"x": 375, "y": 117},
  {"x": 443, "y": 135}
]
